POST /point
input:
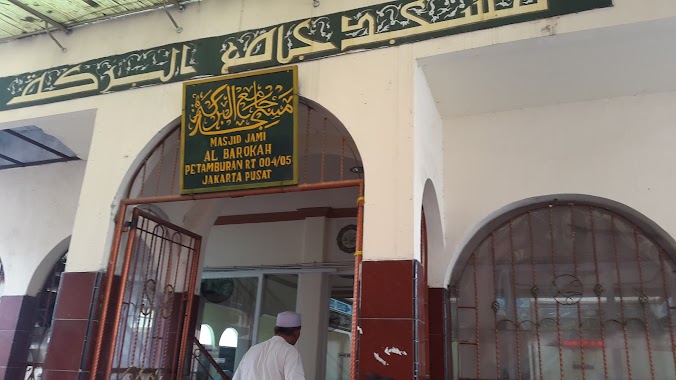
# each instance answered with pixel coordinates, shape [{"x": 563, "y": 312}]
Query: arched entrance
[
  {"x": 168, "y": 275},
  {"x": 581, "y": 288}
]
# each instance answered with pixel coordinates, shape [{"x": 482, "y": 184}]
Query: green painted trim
[{"x": 383, "y": 25}]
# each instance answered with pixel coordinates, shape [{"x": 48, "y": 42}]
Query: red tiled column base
[
  {"x": 437, "y": 304},
  {"x": 387, "y": 319},
  {"x": 73, "y": 320},
  {"x": 423, "y": 323},
  {"x": 17, "y": 316}
]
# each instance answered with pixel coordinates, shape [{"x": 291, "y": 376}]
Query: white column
[{"x": 313, "y": 294}]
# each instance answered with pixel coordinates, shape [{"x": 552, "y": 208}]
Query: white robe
[{"x": 274, "y": 359}]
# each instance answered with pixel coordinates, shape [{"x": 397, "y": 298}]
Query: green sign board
[
  {"x": 381, "y": 25},
  {"x": 239, "y": 131}
]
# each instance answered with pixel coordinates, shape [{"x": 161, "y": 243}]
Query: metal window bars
[{"x": 568, "y": 291}]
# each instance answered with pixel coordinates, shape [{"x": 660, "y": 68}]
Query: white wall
[
  {"x": 331, "y": 251},
  {"x": 255, "y": 244},
  {"x": 372, "y": 100},
  {"x": 274, "y": 243},
  {"x": 370, "y": 92},
  {"x": 127, "y": 121},
  {"x": 428, "y": 158},
  {"x": 121, "y": 139},
  {"x": 618, "y": 148},
  {"x": 38, "y": 210}
]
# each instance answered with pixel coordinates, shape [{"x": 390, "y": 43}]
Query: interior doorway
[{"x": 238, "y": 310}]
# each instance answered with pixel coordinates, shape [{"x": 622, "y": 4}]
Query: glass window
[
  {"x": 230, "y": 307},
  {"x": 229, "y": 338},
  {"x": 206, "y": 335},
  {"x": 280, "y": 293},
  {"x": 338, "y": 339}
]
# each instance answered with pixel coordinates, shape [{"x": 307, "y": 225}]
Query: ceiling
[
  {"x": 601, "y": 63},
  {"x": 22, "y": 18},
  {"x": 73, "y": 130},
  {"x": 30, "y": 146}
]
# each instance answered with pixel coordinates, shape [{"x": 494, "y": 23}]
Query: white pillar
[{"x": 313, "y": 303}]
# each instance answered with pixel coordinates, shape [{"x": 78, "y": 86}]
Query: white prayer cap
[{"x": 288, "y": 319}]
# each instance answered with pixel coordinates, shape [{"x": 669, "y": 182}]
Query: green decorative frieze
[{"x": 382, "y": 25}]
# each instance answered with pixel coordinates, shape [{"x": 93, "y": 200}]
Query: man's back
[{"x": 274, "y": 359}]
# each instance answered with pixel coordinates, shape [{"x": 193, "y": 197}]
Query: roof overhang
[
  {"x": 22, "y": 18},
  {"x": 626, "y": 60}
]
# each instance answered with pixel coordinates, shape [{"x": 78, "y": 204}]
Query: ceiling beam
[
  {"x": 36, "y": 163},
  {"x": 41, "y": 16},
  {"x": 92, "y": 3},
  {"x": 10, "y": 159},
  {"x": 36, "y": 143},
  {"x": 287, "y": 216},
  {"x": 179, "y": 5}
]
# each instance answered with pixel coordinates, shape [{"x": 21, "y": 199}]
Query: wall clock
[
  {"x": 217, "y": 290},
  {"x": 347, "y": 238}
]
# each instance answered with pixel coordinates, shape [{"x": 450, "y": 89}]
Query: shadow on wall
[{"x": 2, "y": 279}]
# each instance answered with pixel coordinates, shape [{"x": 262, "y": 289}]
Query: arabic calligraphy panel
[
  {"x": 239, "y": 131},
  {"x": 388, "y": 24}
]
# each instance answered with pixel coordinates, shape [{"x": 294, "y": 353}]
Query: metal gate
[
  {"x": 147, "y": 334},
  {"x": 568, "y": 291}
]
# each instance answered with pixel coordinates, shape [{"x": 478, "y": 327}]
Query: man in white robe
[{"x": 276, "y": 358}]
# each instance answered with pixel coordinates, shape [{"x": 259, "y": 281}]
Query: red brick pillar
[
  {"x": 17, "y": 317},
  {"x": 72, "y": 327},
  {"x": 390, "y": 315},
  {"x": 438, "y": 330},
  {"x": 422, "y": 316}
]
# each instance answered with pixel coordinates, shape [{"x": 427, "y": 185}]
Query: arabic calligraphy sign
[
  {"x": 239, "y": 131},
  {"x": 388, "y": 24}
]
